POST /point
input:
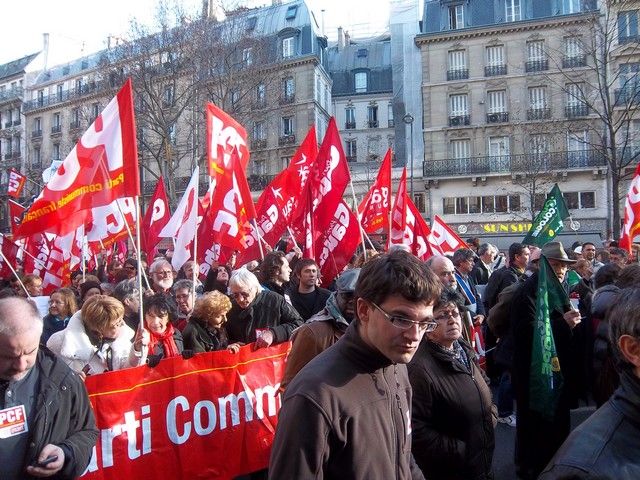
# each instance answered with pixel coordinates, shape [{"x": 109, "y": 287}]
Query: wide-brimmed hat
[{"x": 555, "y": 251}]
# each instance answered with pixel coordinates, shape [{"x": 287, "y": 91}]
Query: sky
[{"x": 78, "y": 27}]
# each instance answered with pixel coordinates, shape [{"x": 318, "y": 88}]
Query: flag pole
[
  {"x": 196, "y": 267},
  {"x": 136, "y": 242},
  {"x": 364, "y": 245},
  {"x": 139, "y": 259},
  {"x": 15, "y": 274},
  {"x": 260, "y": 239},
  {"x": 42, "y": 264}
]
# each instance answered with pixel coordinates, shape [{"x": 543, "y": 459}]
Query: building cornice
[{"x": 498, "y": 29}]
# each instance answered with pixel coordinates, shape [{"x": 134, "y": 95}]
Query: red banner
[
  {"x": 15, "y": 214},
  {"x": 374, "y": 209},
  {"x": 442, "y": 239},
  {"x": 16, "y": 183},
  {"x": 212, "y": 416},
  {"x": 399, "y": 211},
  {"x": 631, "y": 226},
  {"x": 223, "y": 135},
  {"x": 102, "y": 167},
  {"x": 156, "y": 217}
]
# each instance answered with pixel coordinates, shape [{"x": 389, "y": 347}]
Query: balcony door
[{"x": 499, "y": 152}]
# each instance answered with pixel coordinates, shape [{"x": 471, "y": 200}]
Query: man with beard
[
  {"x": 324, "y": 328},
  {"x": 307, "y": 297},
  {"x": 161, "y": 273}
]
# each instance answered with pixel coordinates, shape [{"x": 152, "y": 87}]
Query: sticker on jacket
[{"x": 13, "y": 421}]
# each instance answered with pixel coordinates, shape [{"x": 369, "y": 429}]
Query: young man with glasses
[{"x": 347, "y": 413}]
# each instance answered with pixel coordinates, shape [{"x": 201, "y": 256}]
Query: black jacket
[
  {"x": 480, "y": 273},
  {"x": 268, "y": 310},
  {"x": 498, "y": 281},
  {"x": 322, "y": 294},
  {"x": 63, "y": 416},
  {"x": 200, "y": 338},
  {"x": 606, "y": 445},
  {"x": 453, "y": 416}
]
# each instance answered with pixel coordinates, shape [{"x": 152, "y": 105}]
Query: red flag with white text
[
  {"x": 9, "y": 254},
  {"x": 155, "y": 218},
  {"x": 443, "y": 240},
  {"x": 109, "y": 224},
  {"x": 102, "y": 167},
  {"x": 15, "y": 214},
  {"x": 224, "y": 134},
  {"x": 420, "y": 232},
  {"x": 16, "y": 183},
  {"x": 631, "y": 225},
  {"x": 399, "y": 211},
  {"x": 374, "y": 209}
]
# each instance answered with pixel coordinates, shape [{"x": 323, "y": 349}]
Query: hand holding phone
[{"x": 46, "y": 461}]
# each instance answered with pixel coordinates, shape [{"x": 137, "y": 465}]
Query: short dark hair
[
  {"x": 629, "y": 276},
  {"x": 462, "y": 254},
  {"x": 303, "y": 263},
  {"x": 515, "y": 249},
  {"x": 449, "y": 296},
  {"x": 158, "y": 304},
  {"x": 606, "y": 275},
  {"x": 397, "y": 273},
  {"x": 624, "y": 319},
  {"x": 619, "y": 251},
  {"x": 588, "y": 243},
  {"x": 271, "y": 265}
]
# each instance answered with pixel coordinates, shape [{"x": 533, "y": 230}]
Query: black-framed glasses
[
  {"x": 404, "y": 323},
  {"x": 446, "y": 315}
]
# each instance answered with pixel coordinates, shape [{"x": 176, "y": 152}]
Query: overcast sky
[{"x": 82, "y": 26}]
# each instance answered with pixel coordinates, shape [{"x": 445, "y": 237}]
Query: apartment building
[{"x": 508, "y": 87}]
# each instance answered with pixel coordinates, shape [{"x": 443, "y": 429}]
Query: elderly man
[
  {"x": 161, "y": 273},
  {"x": 127, "y": 292},
  {"x": 444, "y": 270},
  {"x": 258, "y": 315},
  {"x": 483, "y": 267},
  {"x": 184, "y": 295},
  {"x": 464, "y": 261},
  {"x": 502, "y": 278},
  {"x": 347, "y": 413},
  {"x": 307, "y": 297},
  {"x": 607, "y": 445},
  {"x": 53, "y": 429},
  {"x": 324, "y": 328}
]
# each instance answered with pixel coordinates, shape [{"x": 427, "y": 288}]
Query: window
[
  {"x": 351, "y": 149},
  {"x": 458, "y": 105},
  {"x": 456, "y": 17},
  {"x": 288, "y": 88},
  {"x": 36, "y": 160},
  {"x": 484, "y": 204},
  {"x": 75, "y": 117},
  {"x": 496, "y": 101},
  {"x": 288, "y": 47},
  {"x": 259, "y": 167},
  {"x": 78, "y": 85},
  {"x": 579, "y": 200},
  {"x": 629, "y": 74},
  {"x": 350, "y": 118},
  {"x": 572, "y": 47},
  {"x": 59, "y": 91},
  {"x": 291, "y": 12},
  {"x": 95, "y": 111},
  {"x": 537, "y": 98},
  {"x": 457, "y": 65},
  {"x": 37, "y": 124},
  {"x": 287, "y": 126},
  {"x": 251, "y": 23},
  {"x": 172, "y": 134},
  {"x": 535, "y": 51},
  {"x": 361, "y": 82},
  {"x": 235, "y": 99},
  {"x": 56, "y": 119},
  {"x": 373, "y": 147},
  {"x": 56, "y": 152},
  {"x": 261, "y": 98},
  {"x": 259, "y": 131},
  {"x": 539, "y": 144},
  {"x": 247, "y": 56},
  {"x": 418, "y": 201},
  {"x": 495, "y": 56},
  {"x": 362, "y": 53},
  {"x": 167, "y": 96},
  {"x": 372, "y": 115},
  {"x": 574, "y": 94},
  {"x": 577, "y": 148},
  {"x": 627, "y": 26},
  {"x": 499, "y": 146},
  {"x": 40, "y": 98},
  {"x": 512, "y": 13},
  {"x": 390, "y": 114},
  {"x": 460, "y": 149},
  {"x": 570, "y": 6}
]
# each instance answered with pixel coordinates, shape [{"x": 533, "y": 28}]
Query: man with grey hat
[
  {"x": 324, "y": 328},
  {"x": 537, "y": 436}
]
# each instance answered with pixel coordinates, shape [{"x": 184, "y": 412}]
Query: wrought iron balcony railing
[
  {"x": 536, "y": 65},
  {"x": 538, "y": 113},
  {"x": 626, "y": 96},
  {"x": 458, "y": 74},
  {"x": 495, "y": 70},
  {"x": 498, "y": 117},
  {"x": 349, "y": 125},
  {"x": 289, "y": 139},
  {"x": 56, "y": 129},
  {"x": 574, "y": 61},
  {"x": 576, "y": 111},
  {"x": 459, "y": 120}
]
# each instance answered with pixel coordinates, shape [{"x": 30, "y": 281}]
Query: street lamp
[{"x": 408, "y": 119}]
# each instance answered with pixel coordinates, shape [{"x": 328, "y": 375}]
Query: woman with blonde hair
[
  {"x": 62, "y": 304},
  {"x": 206, "y": 331},
  {"x": 96, "y": 340}
]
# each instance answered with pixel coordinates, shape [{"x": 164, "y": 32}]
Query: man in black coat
[
  {"x": 307, "y": 297},
  {"x": 42, "y": 399}
]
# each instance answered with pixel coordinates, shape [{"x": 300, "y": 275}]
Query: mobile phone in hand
[{"x": 46, "y": 461}]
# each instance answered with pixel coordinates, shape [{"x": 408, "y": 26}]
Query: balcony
[
  {"x": 75, "y": 125},
  {"x": 626, "y": 96},
  {"x": 538, "y": 113},
  {"x": 508, "y": 164},
  {"x": 17, "y": 122},
  {"x": 536, "y": 66},
  {"x": 287, "y": 139},
  {"x": 79, "y": 92},
  {"x": 352, "y": 158},
  {"x": 459, "y": 120},
  {"x": 56, "y": 129},
  {"x": 16, "y": 155},
  {"x": 259, "y": 144},
  {"x": 36, "y": 134},
  {"x": 8, "y": 124},
  {"x": 575, "y": 61},
  {"x": 458, "y": 74},
  {"x": 495, "y": 70},
  {"x": 498, "y": 117},
  {"x": 372, "y": 124},
  {"x": 391, "y": 123},
  {"x": 259, "y": 182},
  {"x": 11, "y": 94},
  {"x": 259, "y": 104},
  {"x": 349, "y": 125},
  {"x": 287, "y": 99},
  {"x": 628, "y": 39},
  {"x": 576, "y": 111},
  {"x": 8, "y": 156}
]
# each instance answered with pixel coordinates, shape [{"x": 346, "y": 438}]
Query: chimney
[
  {"x": 340, "y": 38},
  {"x": 45, "y": 50},
  {"x": 347, "y": 39}
]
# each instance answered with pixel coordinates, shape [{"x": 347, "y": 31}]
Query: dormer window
[
  {"x": 362, "y": 53},
  {"x": 360, "y": 82},
  {"x": 292, "y": 12}
]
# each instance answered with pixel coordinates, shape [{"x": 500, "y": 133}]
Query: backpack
[{"x": 499, "y": 319}]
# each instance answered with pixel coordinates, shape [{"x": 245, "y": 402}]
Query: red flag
[
  {"x": 16, "y": 183},
  {"x": 374, "y": 209},
  {"x": 399, "y": 211},
  {"x": 15, "y": 213},
  {"x": 337, "y": 244},
  {"x": 631, "y": 226},
  {"x": 223, "y": 135},
  {"x": 182, "y": 225},
  {"x": 37, "y": 250},
  {"x": 442, "y": 239},
  {"x": 329, "y": 176},
  {"x": 419, "y": 232},
  {"x": 109, "y": 224},
  {"x": 102, "y": 167},
  {"x": 9, "y": 252},
  {"x": 156, "y": 217}
]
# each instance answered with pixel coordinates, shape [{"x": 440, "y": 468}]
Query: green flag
[
  {"x": 546, "y": 379},
  {"x": 549, "y": 221}
]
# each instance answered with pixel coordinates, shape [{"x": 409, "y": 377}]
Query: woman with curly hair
[
  {"x": 206, "y": 331},
  {"x": 62, "y": 304},
  {"x": 159, "y": 339}
]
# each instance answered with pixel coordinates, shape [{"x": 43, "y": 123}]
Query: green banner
[
  {"x": 546, "y": 378},
  {"x": 550, "y": 220}
]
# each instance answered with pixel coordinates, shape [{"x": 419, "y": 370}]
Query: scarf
[
  {"x": 457, "y": 353},
  {"x": 166, "y": 340}
]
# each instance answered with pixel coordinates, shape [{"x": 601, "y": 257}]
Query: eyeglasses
[
  {"x": 405, "y": 324},
  {"x": 446, "y": 315}
]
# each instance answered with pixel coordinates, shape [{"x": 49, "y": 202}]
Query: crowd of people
[{"x": 399, "y": 369}]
